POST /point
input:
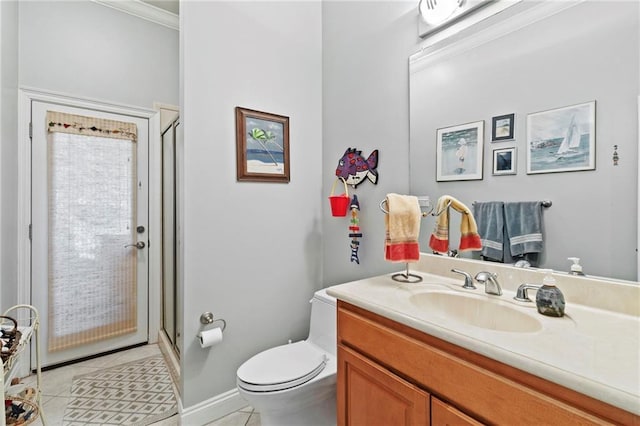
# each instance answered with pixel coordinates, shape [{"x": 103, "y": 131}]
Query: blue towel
[
  {"x": 490, "y": 220},
  {"x": 523, "y": 221}
]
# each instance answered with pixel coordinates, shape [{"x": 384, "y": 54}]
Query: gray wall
[
  {"x": 8, "y": 152},
  {"x": 558, "y": 62},
  {"x": 252, "y": 251},
  {"x": 366, "y": 46},
  {"x": 87, "y": 50}
]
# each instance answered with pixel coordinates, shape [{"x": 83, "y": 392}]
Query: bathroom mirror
[{"x": 537, "y": 57}]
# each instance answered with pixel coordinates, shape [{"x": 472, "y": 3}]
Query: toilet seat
[{"x": 282, "y": 367}]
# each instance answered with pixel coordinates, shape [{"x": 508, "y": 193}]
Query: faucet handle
[
  {"x": 521, "y": 293},
  {"x": 483, "y": 276},
  {"x": 468, "y": 281},
  {"x": 490, "y": 281}
]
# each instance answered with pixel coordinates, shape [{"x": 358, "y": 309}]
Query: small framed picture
[
  {"x": 459, "y": 152},
  {"x": 502, "y": 127},
  {"x": 504, "y": 161},
  {"x": 262, "y": 144}
]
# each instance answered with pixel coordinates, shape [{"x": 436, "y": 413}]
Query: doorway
[{"x": 88, "y": 228}]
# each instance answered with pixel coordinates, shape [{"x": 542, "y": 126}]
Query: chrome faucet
[
  {"x": 468, "y": 281},
  {"x": 521, "y": 293},
  {"x": 490, "y": 281}
]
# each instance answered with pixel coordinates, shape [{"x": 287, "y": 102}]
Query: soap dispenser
[
  {"x": 576, "y": 268},
  {"x": 549, "y": 298}
]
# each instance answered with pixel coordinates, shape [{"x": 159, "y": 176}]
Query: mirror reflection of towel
[
  {"x": 469, "y": 238},
  {"x": 524, "y": 227},
  {"x": 402, "y": 225},
  {"x": 510, "y": 231},
  {"x": 490, "y": 219}
]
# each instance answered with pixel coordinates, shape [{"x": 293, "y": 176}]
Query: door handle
[{"x": 139, "y": 245}]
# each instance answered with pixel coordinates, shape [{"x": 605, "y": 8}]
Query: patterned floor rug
[{"x": 135, "y": 394}]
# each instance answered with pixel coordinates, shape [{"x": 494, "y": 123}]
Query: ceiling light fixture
[{"x": 435, "y": 12}]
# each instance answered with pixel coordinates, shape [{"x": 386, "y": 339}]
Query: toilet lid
[{"x": 281, "y": 367}]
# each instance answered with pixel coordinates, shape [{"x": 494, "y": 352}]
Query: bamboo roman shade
[{"x": 91, "y": 217}]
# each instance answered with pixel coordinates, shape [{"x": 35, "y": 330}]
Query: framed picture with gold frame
[{"x": 262, "y": 146}]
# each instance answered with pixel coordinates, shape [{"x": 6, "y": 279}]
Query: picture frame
[
  {"x": 504, "y": 161},
  {"x": 562, "y": 139},
  {"x": 460, "y": 152},
  {"x": 503, "y": 127},
  {"x": 262, "y": 146}
]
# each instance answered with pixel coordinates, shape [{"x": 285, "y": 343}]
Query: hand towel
[
  {"x": 490, "y": 220},
  {"x": 524, "y": 227},
  {"x": 402, "y": 225},
  {"x": 469, "y": 238}
]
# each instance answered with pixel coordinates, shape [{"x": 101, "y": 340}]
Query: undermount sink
[{"x": 476, "y": 311}]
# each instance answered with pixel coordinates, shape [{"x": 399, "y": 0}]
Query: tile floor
[{"x": 56, "y": 389}]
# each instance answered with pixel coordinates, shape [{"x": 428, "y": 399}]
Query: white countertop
[{"x": 592, "y": 351}]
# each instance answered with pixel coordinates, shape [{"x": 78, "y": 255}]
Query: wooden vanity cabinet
[
  {"x": 377, "y": 397},
  {"x": 446, "y": 414},
  {"x": 390, "y": 374}
]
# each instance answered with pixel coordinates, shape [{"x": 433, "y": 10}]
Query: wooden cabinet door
[
  {"x": 443, "y": 414},
  {"x": 369, "y": 395}
]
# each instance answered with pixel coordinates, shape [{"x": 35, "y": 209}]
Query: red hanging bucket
[{"x": 339, "y": 203}]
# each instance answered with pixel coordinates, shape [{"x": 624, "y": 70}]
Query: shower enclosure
[{"x": 171, "y": 140}]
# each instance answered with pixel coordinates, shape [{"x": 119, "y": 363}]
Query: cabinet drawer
[{"x": 487, "y": 396}]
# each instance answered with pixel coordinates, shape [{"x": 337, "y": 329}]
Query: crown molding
[{"x": 144, "y": 11}]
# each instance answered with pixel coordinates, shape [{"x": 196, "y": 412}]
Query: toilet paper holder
[{"x": 207, "y": 318}]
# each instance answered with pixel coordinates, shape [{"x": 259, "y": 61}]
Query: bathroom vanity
[{"x": 434, "y": 353}]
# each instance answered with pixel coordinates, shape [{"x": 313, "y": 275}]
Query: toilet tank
[{"x": 322, "y": 329}]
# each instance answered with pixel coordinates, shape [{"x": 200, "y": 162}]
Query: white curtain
[{"x": 92, "y": 216}]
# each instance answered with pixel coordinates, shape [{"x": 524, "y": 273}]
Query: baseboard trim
[{"x": 212, "y": 409}]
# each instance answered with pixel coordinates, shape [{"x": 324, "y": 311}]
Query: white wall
[
  {"x": 366, "y": 46},
  {"x": 8, "y": 151},
  {"x": 82, "y": 49},
  {"x": 252, "y": 251},
  {"x": 87, "y": 50},
  {"x": 550, "y": 64}
]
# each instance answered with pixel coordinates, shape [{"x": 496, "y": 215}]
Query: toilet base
[{"x": 320, "y": 414}]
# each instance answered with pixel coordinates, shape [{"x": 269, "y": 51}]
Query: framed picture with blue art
[
  {"x": 262, "y": 146},
  {"x": 504, "y": 161},
  {"x": 562, "y": 139},
  {"x": 459, "y": 152}
]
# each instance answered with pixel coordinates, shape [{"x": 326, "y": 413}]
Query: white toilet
[{"x": 295, "y": 384}]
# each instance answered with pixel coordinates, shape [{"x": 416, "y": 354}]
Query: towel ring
[{"x": 424, "y": 214}]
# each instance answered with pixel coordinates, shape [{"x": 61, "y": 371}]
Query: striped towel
[
  {"x": 469, "y": 238},
  {"x": 524, "y": 227},
  {"x": 490, "y": 219},
  {"x": 402, "y": 225}
]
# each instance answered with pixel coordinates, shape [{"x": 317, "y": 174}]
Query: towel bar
[{"x": 544, "y": 203}]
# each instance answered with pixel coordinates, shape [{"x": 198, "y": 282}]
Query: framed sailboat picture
[{"x": 562, "y": 139}]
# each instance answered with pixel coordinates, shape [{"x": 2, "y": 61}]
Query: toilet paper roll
[{"x": 209, "y": 338}]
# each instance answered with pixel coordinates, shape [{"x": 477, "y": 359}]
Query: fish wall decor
[{"x": 353, "y": 168}]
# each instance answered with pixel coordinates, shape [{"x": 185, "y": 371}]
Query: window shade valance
[{"x": 90, "y": 126}]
